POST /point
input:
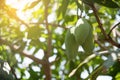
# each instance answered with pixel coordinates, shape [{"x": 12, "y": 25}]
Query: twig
[
  {"x": 79, "y": 7},
  {"x": 103, "y": 47},
  {"x": 86, "y": 61},
  {"x": 52, "y": 24},
  {"x": 113, "y": 28},
  {"x": 110, "y": 40},
  {"x": 118, "y": 33},
  {"x": 95, "y": 73},
  {"x": 13, "y": 72}
]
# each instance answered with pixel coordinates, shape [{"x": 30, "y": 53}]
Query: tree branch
[
  {"x": 113, "y": 28},
  {"x": 46, "y": 67},
  {"x": 86, "y": 61},
  {"x": 32, "y": 57},
  {"x": 95, "y": 73},
  {"x": 13, "y": 72},
  {"x": 23, "y": 53},
  {"x": 102, "y": 46},
  {"x": 98, "y": 20},
  {"x": 52, "y": 24},
  {"x": 108, "y": 38},
  {"x": 49, "y": 39},
  {"x": 118, "y": 33}
]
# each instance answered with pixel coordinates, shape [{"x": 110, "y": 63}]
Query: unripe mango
[
  {"x": 82, "y": 35},
  {"x": 88, "y": 45},
  {"x": 71, "y": 44},
  {"x": 82, "y": 30}
]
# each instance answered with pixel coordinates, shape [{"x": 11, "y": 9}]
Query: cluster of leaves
[{"x": 41, "y": 33}]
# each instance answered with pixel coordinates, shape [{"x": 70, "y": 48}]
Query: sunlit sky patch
[{"x": 18, "y": 4}]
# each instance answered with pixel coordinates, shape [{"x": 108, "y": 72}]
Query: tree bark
[{"x": 47, "y": 70}]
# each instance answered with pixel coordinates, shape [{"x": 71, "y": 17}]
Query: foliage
[{"x": 34, "y": 45}]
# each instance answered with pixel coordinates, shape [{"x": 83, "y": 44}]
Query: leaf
[
  {"x": 89, "y": 2},
  {"x": 69, "y": 19},
  {"x": 34, "y": 32},
  {"x": 46, "y": 2},
  {"x": 110, "y": 61},
  {"x": 36, "y": 43},
  {"x": 107, "y": 3},
  {"x": 62, "y": 9},
  {"x": 12, "y": 60},
  {"x": 18, "y": 33},
  {"x": 114, "y": 71},
  {"x": 33, "y": 4},
  {"x": 78, "y": 4}
]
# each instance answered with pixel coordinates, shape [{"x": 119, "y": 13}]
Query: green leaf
[
  {"x": 62, "y": 9},
  {"x": 107, "y": 3},
  {"x": 34, "y": 32},
  {"x": 19, "y": 34},
  {"x": 89, "y": 2},
  {"x": 114, "y": 71},
  {"x": 32, "y": 5},
  {"x": 46, "y": 2},
  {"x": 70, "y": 19}
]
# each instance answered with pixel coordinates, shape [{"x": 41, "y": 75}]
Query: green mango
[
  {"x": 82, "y": 30},
  {"x": 88, "y": 45},
  {"x": 71, "y": 44}
]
